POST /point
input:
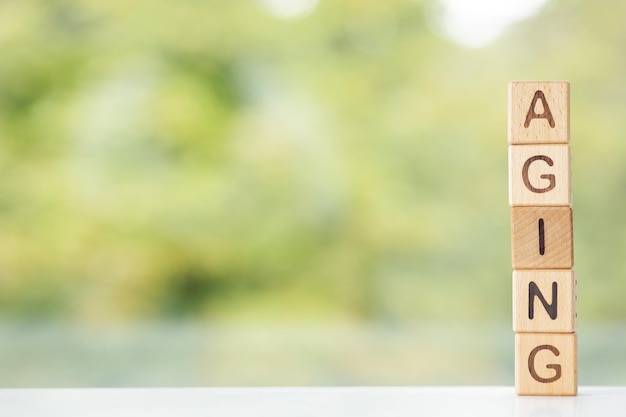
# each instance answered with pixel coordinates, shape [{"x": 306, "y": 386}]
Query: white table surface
[{"x": 308, "y": 401}]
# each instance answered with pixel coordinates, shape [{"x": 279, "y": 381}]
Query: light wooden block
[
  {"x": 542, "y": 238},
  {"x": 544, "y": 301},
  {"x": 538, "y": 112},
  {"x": 540, "y": 175},
  {"x": 546, "y": 364}
]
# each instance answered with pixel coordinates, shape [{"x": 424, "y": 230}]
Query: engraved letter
[
  {"x": 533, "y": 291},
  {"x": 547, "y": 114},
  {"x": 549, "y": 177},
  {"x": 531, "y": 364},
  {"x": 542, "y": 238}
]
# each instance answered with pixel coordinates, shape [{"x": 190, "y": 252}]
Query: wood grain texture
[
  {"x": 540, "y": 175},
  {"x": 530, "y": 120},
  {"x": 546, "y": 364},
  {"x": 544, "y": 301},
  {"x": 556, "y": 239}
]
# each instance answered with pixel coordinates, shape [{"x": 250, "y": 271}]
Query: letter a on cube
[{"x": 538, "y": 112}]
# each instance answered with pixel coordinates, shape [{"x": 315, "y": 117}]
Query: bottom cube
[{"x": 546, "y": 364}]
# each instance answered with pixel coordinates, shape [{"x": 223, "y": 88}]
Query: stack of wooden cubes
[{"x": 544, "y": 283}]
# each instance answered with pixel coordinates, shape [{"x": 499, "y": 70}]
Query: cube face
[
  {"x": 538, "y": 112},
  {"x": 546, "y": 364},
  {"x": 541, "y": 238},
  {"x": 544, "y": 301},
  {"x": 539, "y": 175}
]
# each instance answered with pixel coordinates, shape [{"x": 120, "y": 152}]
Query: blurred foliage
[{"x": 167, "y": 159}]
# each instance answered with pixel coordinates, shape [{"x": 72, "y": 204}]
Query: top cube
[{"x": 538, "y": 112}]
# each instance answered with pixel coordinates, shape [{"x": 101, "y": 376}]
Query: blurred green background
[{"x": 288, "y": 192}]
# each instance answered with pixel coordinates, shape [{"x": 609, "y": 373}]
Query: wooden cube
[
  {"x": 541, "y": 238},
  {"x": 539, "y": 175},
  {"x": 538, "y": 112},
  {"x": 546, "y": 364},
  {"x": 544, "y": 301}
]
